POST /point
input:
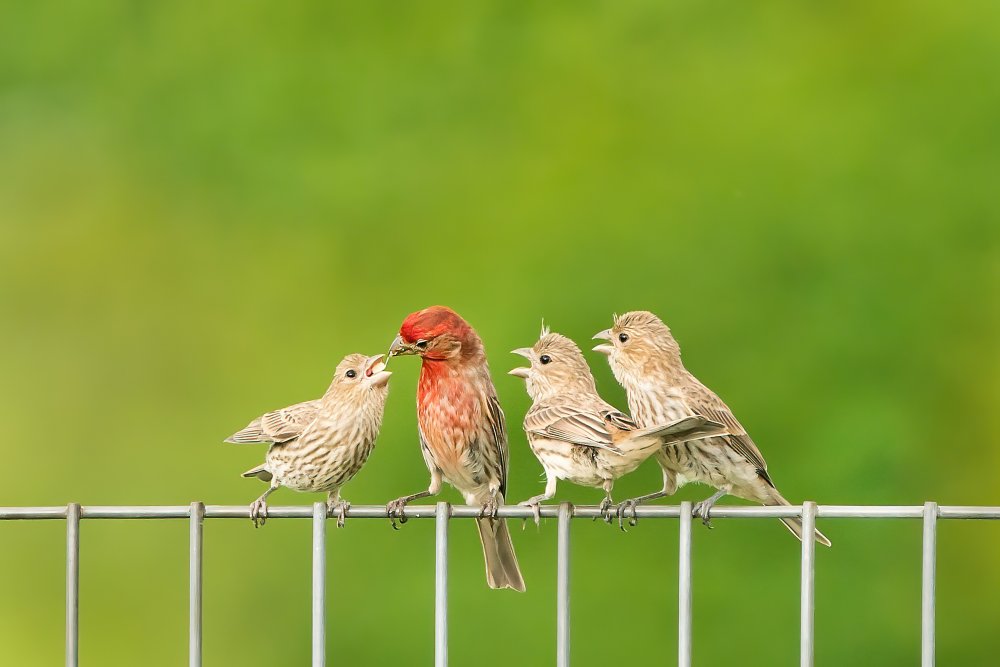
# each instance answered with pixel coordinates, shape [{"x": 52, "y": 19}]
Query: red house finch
[
  {"x": 462, "y": 434},
  {"x": 320, "y": 445},
  {"x": 646, "y": 360},
  {"x": 575, "y": 434}
]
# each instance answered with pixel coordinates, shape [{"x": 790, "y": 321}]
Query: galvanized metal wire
[{"x": 442, "y": 513}]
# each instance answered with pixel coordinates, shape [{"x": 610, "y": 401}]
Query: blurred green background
[{"x": 204, "y": 206}]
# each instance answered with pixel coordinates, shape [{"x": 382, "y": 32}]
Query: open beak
[
  {"x": 604, "y": 348},
  {"x": 399, "y": 346},
  {"x": 521, "y": 372},
  {"x": 375, "y": 371}
]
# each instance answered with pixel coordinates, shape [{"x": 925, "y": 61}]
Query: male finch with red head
[
  {"x": 463, "y": 437},
  {"x": 646, "y": 361}
]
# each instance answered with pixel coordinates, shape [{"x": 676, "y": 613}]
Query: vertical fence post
[
  {"x": 72, "y": 585},
  {"x": 441, "y": 517},
  {"x": 808, "y": 589},
  {"x": 684, "y": 588},
  {"x": 562, "y": 586},
  {"x": 194, "y": 584},
  {"x": 928, "y": 586},
  {"x": 319, "y": 585}
]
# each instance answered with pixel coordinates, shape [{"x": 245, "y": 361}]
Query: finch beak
[
  {"x": 375, "y": 371},
  {"x": 399, "y": 347},
  {"x": 525, "y": 352},
  {"x": 604, "y": 348}
]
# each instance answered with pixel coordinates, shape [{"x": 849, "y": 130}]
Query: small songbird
[
  {"x": 320, "y": 445},
  {"x": 463, "y": 437},
  {"x": 646, "y": 361},
  {"x": 575, "y": 434}
]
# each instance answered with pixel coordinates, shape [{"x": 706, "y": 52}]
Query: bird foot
[
  {"x": 396, "y": 510},
  {"x": 703, "y": 509},
  {"x": 536, "y": 509},
  {"x": 489, "y": 510},
  {"x": 339, "y": 509},
  {"x": 627, "y": 508},
  {"x": 258, "y": 512},
  {"x": 605, "y": 509}
]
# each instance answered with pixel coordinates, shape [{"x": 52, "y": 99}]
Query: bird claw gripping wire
[
  {"x": 703, "y": 510},
  {"x": 536, "y": 509},
  {"x": 339, "y": 510},
  {"x": 258, "y": 512},
  {"x": 624, "y": 508},
  {"x": 396, "y": 510},
  {"x": 605, "y": 509},
  {"x": 489, "y": 510}
]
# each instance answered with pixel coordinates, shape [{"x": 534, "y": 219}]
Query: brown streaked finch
[
  {"x": 575, "y": 434},
  {"x": 320, "y": 445},
  {"x": 646, "y": 361},
  {"x": 462, "y": 433}
]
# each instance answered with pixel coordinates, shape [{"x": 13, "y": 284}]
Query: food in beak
[{"x": 375, "y": 365}]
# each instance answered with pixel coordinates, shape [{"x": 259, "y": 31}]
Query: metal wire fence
[{"x": 443, "y": 513}]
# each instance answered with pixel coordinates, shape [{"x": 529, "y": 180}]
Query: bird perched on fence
[
  {"x": 463, "y": 437},
  {"x": 320, "y": 445},
  {"x": 575, "y": 434},
  {"x": 646, "y": 360}
]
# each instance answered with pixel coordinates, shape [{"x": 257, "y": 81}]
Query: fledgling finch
[
  {"x": 320, "y": 445},
  {"x": 575, "y": 434},
  {"x": 463, "y": 437},
  {"x": 646, "y": 361}
]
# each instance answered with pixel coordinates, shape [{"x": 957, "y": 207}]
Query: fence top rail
[{"x": 506, "y": 511}]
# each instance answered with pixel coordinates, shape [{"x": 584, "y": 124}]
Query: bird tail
[
  {"x": 260, "y": 472},
  {"x": 688, "y": 428},
  {"x": 502, "y": 570},
  {"x": 794, "y": 524}
]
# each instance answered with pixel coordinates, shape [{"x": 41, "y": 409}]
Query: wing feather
[
  {"x": 280, "y": 425},
  {"x": 498, "y": 429},
  {"x": 575, "y": 425},
  {"x": 700, "y": 400}
]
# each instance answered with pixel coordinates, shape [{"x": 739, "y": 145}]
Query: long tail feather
[
  {"x": 502, "y": 570},
  {"x": 794, "y": 524}
]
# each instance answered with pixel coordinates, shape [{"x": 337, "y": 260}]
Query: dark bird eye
[
  {"x": 623, "y": 337},
  {"x": 351, "y": 374},
  {"x": 422, "y": 344},
  {"x": 545, "y": 358}
]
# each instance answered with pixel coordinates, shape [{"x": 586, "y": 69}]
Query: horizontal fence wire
[
  {"x": 442, "y": 513},
  {"x": 505, "y": 512}
]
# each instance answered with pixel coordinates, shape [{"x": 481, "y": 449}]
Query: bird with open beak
[
  {"x": 646, "y": 361},
  {"x": 575, "y": 434},
  {"x": 320, "y": 445},
  {"x": 463, "y": 436}
]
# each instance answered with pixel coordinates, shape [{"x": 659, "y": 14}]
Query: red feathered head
[{"x": 436, "y": 333}]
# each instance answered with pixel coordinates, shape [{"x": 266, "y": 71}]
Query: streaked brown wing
[
  {"x": 279, "y": 426},
  {"x": 575, "y": 425},
  {"x": 619, "y": 420},
  {"x": 498, "y": 429},
  {"x": 700, "y": 400}
]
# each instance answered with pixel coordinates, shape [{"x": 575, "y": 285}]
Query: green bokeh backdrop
[{"x": 204, "y": 206}]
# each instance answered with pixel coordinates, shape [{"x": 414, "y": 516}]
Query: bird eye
[
  {"x": 351, "y": 373},
  {"x": 422, "y": 344},
  {"x": 623, "y": 337},
  {"x": 545, "y": 358}
]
